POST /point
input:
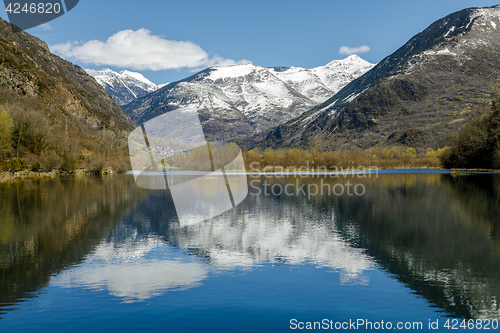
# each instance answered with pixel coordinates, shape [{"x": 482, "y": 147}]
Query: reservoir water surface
[{"x": 99, "y": 254}]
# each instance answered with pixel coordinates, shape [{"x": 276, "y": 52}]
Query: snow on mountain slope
[
  {"x": 338, "y": 73},
  {"x": 124, "y": 86},
  {"x": 253, "y": 89},
  {"x": 231, "y": 71},
  {"x": 241, "y": 100},
  {"x": 323, "y": 82},
  {"x": 430, "y": 86},
  {"x": 305, "y": 82}
]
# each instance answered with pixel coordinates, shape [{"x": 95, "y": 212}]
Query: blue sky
[{"x": 266, "y": 33}]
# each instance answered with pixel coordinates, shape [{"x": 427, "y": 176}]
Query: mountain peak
[
  {"x": 137, "y": 76},
  {"x": 489, "y": 15},
  {"x": 241, "y": 100},
  {"x": 430, "y": 85},
  {"x": 351, "y": 59},
  {"x": 124, "y": 86},
  {"x": 222, "y": 72}
]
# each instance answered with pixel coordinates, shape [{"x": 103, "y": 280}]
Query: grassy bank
[
  {"x": 29, "y": 167},
  {"x": 26, "y": 174}
]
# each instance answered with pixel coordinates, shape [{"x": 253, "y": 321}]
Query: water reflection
[
  {"x": 126, "y": 272},
  {"x": 47, "y": 226},
  {"x": 437, "y": 234},
  {"x": 151, "y": 252},
  {"x": 261, "y": 230}
]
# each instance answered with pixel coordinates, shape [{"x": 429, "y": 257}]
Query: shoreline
[
  {"x": 378, "y": 171},
  {"x": 7, "y": 177}
]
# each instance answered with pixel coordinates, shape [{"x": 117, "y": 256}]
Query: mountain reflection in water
[{"x": 437, "y": 234}]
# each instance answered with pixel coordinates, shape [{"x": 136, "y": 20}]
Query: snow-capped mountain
[
  {"x": 241, "y": 100},
  {"x": 124, "y": 86},
  {"x": 323, "y": 82},
  {"x": 416, "y": 96}
]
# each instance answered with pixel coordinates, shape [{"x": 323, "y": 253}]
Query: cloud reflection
[
  {"x": 135, "y": 265},
  {"x": 262, "y": 239},
  {"x": 126, "y": 272}
]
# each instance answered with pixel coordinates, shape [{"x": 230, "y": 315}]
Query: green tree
[
  {"x": 476, "y": 145},
  {"x": 6, "y": 130},
  {"x": 410, "y": 153}
]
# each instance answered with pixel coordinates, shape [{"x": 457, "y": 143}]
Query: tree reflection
[
  {"x": 49, "y": 225},
  {"x": 436, "y": 233}
]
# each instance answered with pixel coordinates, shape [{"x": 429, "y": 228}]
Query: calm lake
[{"x": 99, "y": 254}]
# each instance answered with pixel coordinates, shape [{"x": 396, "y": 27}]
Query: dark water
[{"x": 102, "y": 255}]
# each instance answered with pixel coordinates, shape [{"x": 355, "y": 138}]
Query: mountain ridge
[
  {"x": 238, "y": 101},
  {"x": 124, "y": 86},
  {"x": 442, "y": 73}
]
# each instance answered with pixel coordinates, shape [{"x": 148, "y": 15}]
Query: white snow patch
[
  {"x": 439, "y": 52},
  {"x": 450, "y": 31},
  {"x": 352, "y": 97},
  {"x": 231, "y": 71},
  {"x": 328, "y": 106},
  {"x": 137, "y": 76},
  {"x": 125, "y": 79},
  {"x": 310, "y": 118},
  {"x": 486, "y": 14}
]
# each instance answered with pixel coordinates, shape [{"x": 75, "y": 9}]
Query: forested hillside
[{"x": 52, "y": 114}]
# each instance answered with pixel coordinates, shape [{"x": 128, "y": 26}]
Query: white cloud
[
  {"x": 353, "y": 50},
  {"x": 140, "y": 50}
]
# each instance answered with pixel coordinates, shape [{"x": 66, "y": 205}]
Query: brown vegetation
[
  {"x": 34, "y": 136},
  {"x": 312, "y": 159},
  {"x": 293, "y": 159},
  {"x": 53, "y": 116}
]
